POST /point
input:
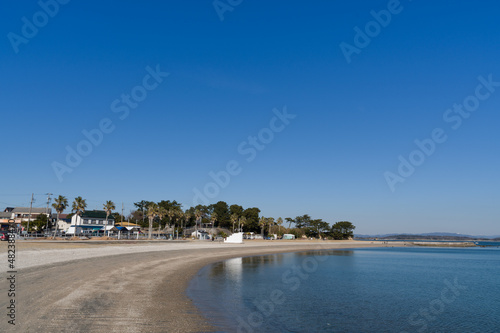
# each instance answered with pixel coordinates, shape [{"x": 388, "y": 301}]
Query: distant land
[{"x": 429, "y": 236}]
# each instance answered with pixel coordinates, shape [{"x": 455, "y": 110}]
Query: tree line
[
  {"x": 235, "y": 218},
  {"x": 165, "y": 213}
]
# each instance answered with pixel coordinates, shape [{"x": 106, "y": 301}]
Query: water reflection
[
  {"x": 236, "y": 284},
  {"x": 233, "y": 269},
  {"x": 368, "y": 290},
  {"x": 317, "y": 253}
]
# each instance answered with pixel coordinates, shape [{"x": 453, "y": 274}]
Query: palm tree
[
  {"x": 243, "y": 221},
  {"x": 187, "y": 216},
  {"x": 79, "y": 206},
  {"x": 161, "y": 214},
  {"x": 213, "y": 219},
  {"x": 152, "y": 212},
  {"x": 270, "y": 221},
  {"x": 198, "y": 214},
  {"x": 279, "y": 222},
  {"x": 60, "y": 204},
  {"x": 262, "y": 224},
  {"x": 171, "y": 214},
  {"x": 234, "y": 219},
  {"x": 180, "y": 216},
  {"x": 109, "y": 206}
]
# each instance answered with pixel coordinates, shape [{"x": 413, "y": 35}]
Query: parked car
[{"x": 4, "y": 235}]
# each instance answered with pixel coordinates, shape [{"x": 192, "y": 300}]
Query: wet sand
[{"x": 122, "y": 287}]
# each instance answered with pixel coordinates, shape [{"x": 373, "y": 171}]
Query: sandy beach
[{"x": 121, "y": 287}]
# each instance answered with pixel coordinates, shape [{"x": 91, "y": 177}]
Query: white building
[
  {"x": 200, "y": 234},
  {"x": 91, "y": 222},
  {"x": 22, "y": 214},
  {"x": 249, "y": 235},
  {"x": 235, "y": 238},
  {"x": 63, "y": 225}
]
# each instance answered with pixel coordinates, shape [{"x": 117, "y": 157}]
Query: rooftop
[
  {"x": 26, "y": 210},
  {"x": 127, "y": 224},
  {"x": 96, "y": 214}
]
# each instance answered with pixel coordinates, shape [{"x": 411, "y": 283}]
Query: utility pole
[
  {"x": 47, "y": 211},
  {"x": 29, "y": 216},
  {"x": 123, "y": 218}
]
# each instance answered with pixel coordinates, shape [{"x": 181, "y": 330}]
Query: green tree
[
  {"x": 117, "y": 216},
  {"x": 236, "y": 209},
  {"x": 234, "y": 219},
  {"x": 180, "y": 218},
  {"x": 223, "y": 216},
  {"x": 243, "y": 222},
  {"x": 213, "y": 219},
  {"x": 142, "y": 205},
  {"x": 316, "y": 227},
  {"x": 262, "y": 225},
  {"x": 279, "y": 222},
  {"x": 152, "y": 212},
  {"x": 187, "y": 218},
  {"x": 252, "y": 219},
  {"x": 205, "y": 210},
  {"x": 303, "y": 221},
  {"x": 60, "y": 204},
  {"x": 137, "y": 216},
  {"x": 297, "y": 232},
  {"x": 38, "y": 224},
  {"x": 342, "y": 230},
  {"x": 270, "y": 223},
  {"x": 162, "y": 212},
  {"x": 168, "y": 205},
  {"x": 198, "y": 214},
  {"x": 171, "y": 213},
  {"x": 79, "y": 206},
  {"x": 310, "y": 227},
  {"x": 109, "y": 206}
]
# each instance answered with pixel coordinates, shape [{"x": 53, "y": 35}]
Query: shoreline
[{"x": 128, "y": 288}]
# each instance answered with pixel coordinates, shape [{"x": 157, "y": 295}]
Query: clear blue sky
[{"x": 353, "y": 119}]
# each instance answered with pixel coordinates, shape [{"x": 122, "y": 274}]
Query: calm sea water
[{"x": 361, "y": 290}]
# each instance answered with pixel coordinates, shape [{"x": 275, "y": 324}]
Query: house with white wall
[
  {"x": 23, "y": 214},
  {"x": 63, "y": 223},
  {"x": 91, "y": 221}
]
